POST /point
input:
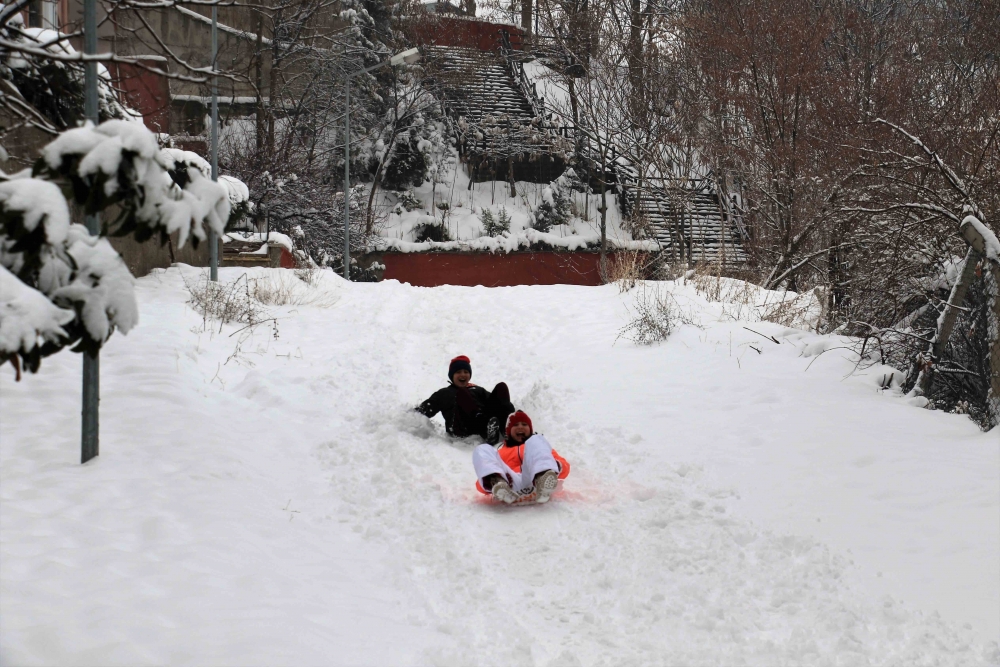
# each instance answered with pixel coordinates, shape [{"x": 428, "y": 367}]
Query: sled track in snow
[
  {"x": 625, "y": 566},
  {"x": 609, "y": 572}
]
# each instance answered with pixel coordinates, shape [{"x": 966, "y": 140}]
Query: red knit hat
[
  {"x": 459, "y": 363},
  {"x": 516, "y": 418}
]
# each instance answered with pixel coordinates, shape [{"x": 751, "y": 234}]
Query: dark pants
[{"x": 487, "y": 421}]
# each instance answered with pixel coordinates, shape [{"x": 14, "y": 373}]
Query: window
[{"x": 43, "y": 14}]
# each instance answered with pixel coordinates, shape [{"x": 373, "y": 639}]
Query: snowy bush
[
  {"x": 309, "y": 211},
  {"x": 963, "y": 373},
  {"x": 492, "y": 225},
  {"x": 52, "y": 88},
  {"x": 407, "y": 166},
  {"x": 28, "y": 319},
  {"x": 503, "y": 219},
  {"x": 430, "y": 231},
  {"x": 554, "y": 208},
  {"x": 366, "y": 274},
  {"x": 408, "y": 201},
  {"x": 116, "y": 163},
  {"x": 159, "y": 191},
  {"x": 655, "y": 316}
]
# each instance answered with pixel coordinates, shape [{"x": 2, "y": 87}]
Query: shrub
[
  {"x": 407, "y": 200},
  {"x": 430, "y": 231},
  {"x": 627, "y": 268},
  {"x": 503, "y": 219},
  {"x": 491, "y": 225},
  {"x": 407, "y": 167},
  {"x": 656, "y": 316},
  {"x": 555, "y": 208}
]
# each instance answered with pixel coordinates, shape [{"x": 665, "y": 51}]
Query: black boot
[{"x": 493, "y": 431}]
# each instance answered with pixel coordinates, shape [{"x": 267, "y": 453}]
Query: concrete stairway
[
  {"x": 499, "y": 118},
  {"x": 478, "y": 83},
  {"x": 689, "y": 224},
  {"x": 493, "y": 115}
]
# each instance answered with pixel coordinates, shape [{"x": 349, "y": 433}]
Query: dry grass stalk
[
  {"x": 627, "y": 268},
  {"x": 743, "y": 300},
  {"x": 285, "y": 288},
  {"x": 656, "y": 315},
  {"x": 226, "y": 303}
]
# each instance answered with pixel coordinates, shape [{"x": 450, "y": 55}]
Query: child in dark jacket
[{"x": 468, "y": 409}]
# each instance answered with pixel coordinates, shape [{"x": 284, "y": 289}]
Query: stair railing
[{"x": 516, "y": 70}]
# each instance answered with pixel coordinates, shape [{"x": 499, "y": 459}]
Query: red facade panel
[
  {"x": 145, "y": 91},
  {"x": 431, "y": 269},
  {"x": 443, "y": 30}
]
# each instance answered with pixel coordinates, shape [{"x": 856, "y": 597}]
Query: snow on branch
[
  {"x": 78, "y": 273},
  {"x": 28, "y": 319},
  {"x": 911, "y": 206},
  {"x": 990, "y": 246},
  {"x": 63, "y": 286},
  {"x": 953, "y": 178},
  {"x": 119, "y": 162}
]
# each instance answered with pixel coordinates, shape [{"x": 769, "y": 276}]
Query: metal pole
[
  {"x": 90, "y": 437},
  {"x": 213, "y": 244},
  {"x": 347, "y": 178}
]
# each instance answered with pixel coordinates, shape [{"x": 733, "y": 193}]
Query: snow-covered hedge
[
  {"x": 528, "y": 239},
  {"x": 63, "y": 286}
]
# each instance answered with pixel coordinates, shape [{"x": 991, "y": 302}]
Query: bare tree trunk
[
  {"x": 604, "y": 231},
  {"x": 946, "y": 322},
  {"x": 259, "y": 81},
  {"x": 273, "y": 88},
  {"x": 574, "y": 103},
  {"x": 369, "y": 214},
  {"x": 635, "y": 64},
  {"x": 991, "y": 278},
  {"x": 526, "y": 16}
]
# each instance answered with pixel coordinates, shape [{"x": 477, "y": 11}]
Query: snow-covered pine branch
[
  {"x": 29, "y": 321},
  {"x": 157, "y": 191}
]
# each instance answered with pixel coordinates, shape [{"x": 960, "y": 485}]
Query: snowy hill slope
[{"x": 726, "y": 506}]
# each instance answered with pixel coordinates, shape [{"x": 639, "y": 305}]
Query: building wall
[
  {"x": 142, "y": 258},
  {"x": 432, "y": 269},
  {"x": 22, "y": 143},
  {"x": 446, "y": 30}
]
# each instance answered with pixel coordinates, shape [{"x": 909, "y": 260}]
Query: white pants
[{"x": 537, "y": 458}]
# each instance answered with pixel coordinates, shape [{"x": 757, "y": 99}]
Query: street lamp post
[
  {"x": 90, "y": 436},
  {"x": 403, "y": 58},
  {"x": 213, "y": 244}
]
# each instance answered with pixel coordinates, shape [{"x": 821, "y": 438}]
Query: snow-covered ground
[{"x": 733, "y": 500}]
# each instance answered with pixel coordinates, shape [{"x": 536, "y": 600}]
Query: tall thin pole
[
  {"x": 213, "y": 244},
  {"x": 347, "y": 178},
  {"x": 90, "y": 440}
]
